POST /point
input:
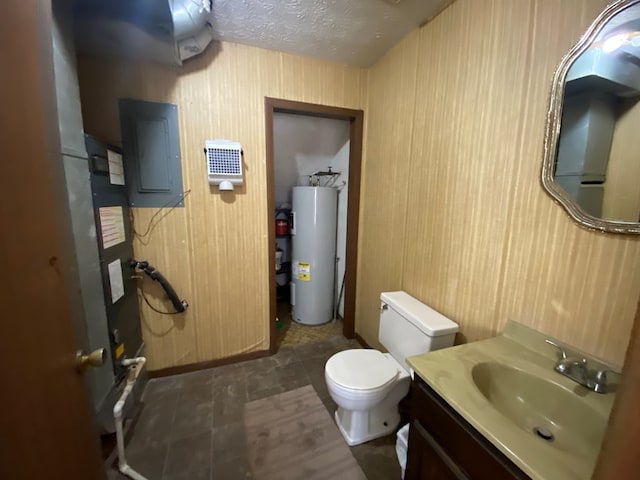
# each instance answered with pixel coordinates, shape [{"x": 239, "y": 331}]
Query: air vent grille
[{"x": 224, "y": 162}]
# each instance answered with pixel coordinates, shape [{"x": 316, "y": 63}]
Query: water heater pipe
[{"x": 135, "y": 365}]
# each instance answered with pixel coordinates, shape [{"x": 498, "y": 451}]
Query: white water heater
[{"x": 313, "y": 260}]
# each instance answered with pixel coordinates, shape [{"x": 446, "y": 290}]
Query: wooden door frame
[
  {"x": 356, "y": 122},
  {"x": 620, "y": 453}
]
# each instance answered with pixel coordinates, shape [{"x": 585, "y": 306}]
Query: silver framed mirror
[{"x": 591, "y": 163}]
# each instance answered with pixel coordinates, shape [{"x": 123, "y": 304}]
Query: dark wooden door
[{"x": 45, "y": 425}]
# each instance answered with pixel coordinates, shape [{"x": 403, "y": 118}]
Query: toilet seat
[{"x": 362, "y": 370}]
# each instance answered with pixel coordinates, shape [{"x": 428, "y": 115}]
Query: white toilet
[{"x": 367, "y": 384}]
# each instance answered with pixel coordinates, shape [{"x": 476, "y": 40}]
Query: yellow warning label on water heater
[
  {"x": 119, "y": 350},
  {"x": 304, "y": 272}
]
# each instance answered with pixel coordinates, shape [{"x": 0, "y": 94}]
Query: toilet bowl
[
  {"x": 366, "y": 384},
  {"x": 367, "y": 401}
]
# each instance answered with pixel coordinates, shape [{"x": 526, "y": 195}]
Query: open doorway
[{"x": 341, "y": 149}]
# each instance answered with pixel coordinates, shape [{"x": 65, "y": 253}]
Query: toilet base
[{"x": 358, "y": 427}]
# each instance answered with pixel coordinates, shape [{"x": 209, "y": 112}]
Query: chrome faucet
[{"x": 577, "y": 369}]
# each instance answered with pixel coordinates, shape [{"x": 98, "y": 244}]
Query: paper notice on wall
[
  {"x": 304, "y": 272},
  {"x": 116, "y": 169},
  {"x": 111, "y": 226},
  {"x": 115, "y": 280}
]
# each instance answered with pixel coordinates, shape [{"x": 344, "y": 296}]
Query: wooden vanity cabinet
[{"x": 444, "y": 446}]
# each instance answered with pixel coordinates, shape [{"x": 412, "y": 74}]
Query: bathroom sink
[
  {"x": 506, "y": 387},
  {"x": 554, "y": 414}
]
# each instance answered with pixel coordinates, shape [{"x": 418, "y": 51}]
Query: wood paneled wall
[
  {"x": 215, "y": 250},
  {"x": 452, "y": 207},
  {"x": 385, "y": 173},
  {"x": 453, "y": 210}
]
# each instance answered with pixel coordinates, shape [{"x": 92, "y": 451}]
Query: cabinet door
[
  {"x": 427, "y": 460},
  {"x": 456, "y": 442}
]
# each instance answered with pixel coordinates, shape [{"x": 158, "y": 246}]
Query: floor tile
[
  {"x": 154, "y": 422},
  {"x": 192, "y": 416},
  {"x": 276, "y": 380},
  {"x": 228, "y": 442},
  {"x": 378, "y": 458},
  {"x": 292, "y": 376},
  {"x": 264, "y": 364},
  {"x": 295, "y": 334},
  {"x": 158, "y": 386},
  {"x": 226, "y": 411},
  {"x": 166, "y": 400},
  {"x": 199, "y": 475},
  {"x": 196, "y": 379},
  {"x": 190, "y": 454},
  {"x": 343, "y": 343},
  {"x": 233, "y": 469},
  {"x": 273, "y": 389},
  {"x": 148, "y": 460},
  {"x": 114, "y": 474},
  {"x": 228, "y": 402},
  {"x": 321, "y": 348},
  {"x": 226, "y": 375},
  {"x": 260, "y": 378},
  {"x": 314, "y": 367},
  {"x": 286, "y": 355},
  {"x": 329, "y": 404},
  {"x": 197, "y": 393},
  {"x": 191, "y": 426}
]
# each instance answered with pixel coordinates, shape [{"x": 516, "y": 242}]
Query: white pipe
[
  {"x": 134, "y": 361},
  {"x": 135, "y": 365}
]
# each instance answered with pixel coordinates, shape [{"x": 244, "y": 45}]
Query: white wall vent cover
[{"x": 224, "y": 163}]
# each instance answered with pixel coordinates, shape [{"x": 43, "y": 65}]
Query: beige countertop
[{"x": 449, "y": 373}]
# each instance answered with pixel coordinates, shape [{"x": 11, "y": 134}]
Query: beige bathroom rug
[{"x": 291, "y": 436}]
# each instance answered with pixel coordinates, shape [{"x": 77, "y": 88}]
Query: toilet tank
[{"x": 409, "y": 327}]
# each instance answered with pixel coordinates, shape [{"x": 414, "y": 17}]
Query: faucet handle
[
  {"x": 601, "y": 375},
  {"x": 600, "y": 381},
  {"x": 561, "y": 350}
]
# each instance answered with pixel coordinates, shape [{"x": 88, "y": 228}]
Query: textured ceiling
[{"x": 355, "y": 32}]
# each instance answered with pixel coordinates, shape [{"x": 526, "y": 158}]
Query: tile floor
[
  {"x": 190, "y": 426},
  {"x": 289, "y": 332}
]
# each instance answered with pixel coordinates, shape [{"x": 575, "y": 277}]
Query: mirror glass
[{"x": 592, "y": 149}]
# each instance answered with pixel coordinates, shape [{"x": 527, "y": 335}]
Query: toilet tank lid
[{"x": 422, "y": 316}]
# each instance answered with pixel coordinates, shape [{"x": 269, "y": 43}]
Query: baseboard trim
[
  {"x": 194, "y": 367},
  {"x": 361, "y": 341}
]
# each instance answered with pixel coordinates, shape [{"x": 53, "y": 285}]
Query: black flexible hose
[{"x": 179, "y": 305}]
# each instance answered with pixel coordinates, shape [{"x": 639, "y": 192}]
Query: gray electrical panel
[{"x": 151, "y": 150}]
